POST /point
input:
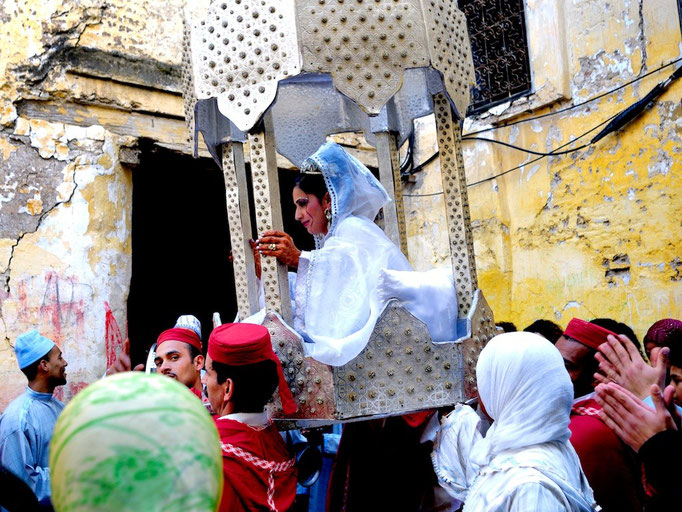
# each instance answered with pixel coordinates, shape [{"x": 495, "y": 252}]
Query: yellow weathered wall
[
  {"x": 595, "y": 233},
  {"x": 65, "y": 196}
]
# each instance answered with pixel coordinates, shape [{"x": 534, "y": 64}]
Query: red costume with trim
[
  {"x": 610, "y": 466},
  {"x": 260, "y": 473}
]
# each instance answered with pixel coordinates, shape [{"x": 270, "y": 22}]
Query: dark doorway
[{"x": 180, "y": 244}]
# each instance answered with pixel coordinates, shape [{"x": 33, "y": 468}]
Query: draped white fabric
[
  {"x": 430, "y": 296},
  {"x": 336, "y": 299},
  {"x": 525, "y": 461},
  {"x": 343, "y": 285}
]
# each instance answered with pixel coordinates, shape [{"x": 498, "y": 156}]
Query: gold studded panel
[
  {"x": 389, "y": 173},
  {"x": 456, "y": 203},
  {"x": 189, "y": 99},
  {"x": 364, "y": 44},
  {"x": 310, "y": 381},
  {"x": 482, "y": 330},
  {"x": 241, "y": 49},
  {"x": 400, "y": 370},
  {"x": 269, "y": 216},
  {"x": 239, "y": 220},
  {"x": 450, "y": 51}
]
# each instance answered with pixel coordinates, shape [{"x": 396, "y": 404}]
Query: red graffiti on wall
[
  {"x": 68, "y": 391},
  {"x": 114, "y": 338},
  {"x": 61, "y": 306}
]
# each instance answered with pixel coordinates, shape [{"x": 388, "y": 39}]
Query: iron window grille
[{"x": 499, "y": 46}]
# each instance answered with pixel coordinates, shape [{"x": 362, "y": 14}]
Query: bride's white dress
[{"x": 342, "y": 286}]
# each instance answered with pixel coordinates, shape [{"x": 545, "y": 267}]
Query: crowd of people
[
  {"x": 567, "y": 419},
  {"x": 584, "y": 420}
]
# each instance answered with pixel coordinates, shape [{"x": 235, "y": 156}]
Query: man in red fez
[
  {"x": 610, "y": 466},
  {"x": 664, "y": 333},
  {"x": 178, "y": 355},
  {"x": 578, "y": 345},
  {"x": 242, "y": 373}
]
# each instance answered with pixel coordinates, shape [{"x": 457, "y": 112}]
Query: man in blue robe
[{"x": 27, "y": 423}]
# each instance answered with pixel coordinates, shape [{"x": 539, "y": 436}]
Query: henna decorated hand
[{"x": 281, "y": 246}]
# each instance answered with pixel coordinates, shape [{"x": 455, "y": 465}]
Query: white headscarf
[
  {"x": 353, "y": 189},
  {"x": 525, "y": 388}
]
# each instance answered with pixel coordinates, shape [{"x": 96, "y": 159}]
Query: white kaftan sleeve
[
  {"x": 430, "y": 296},
  {"x": 450, "y": 457}
]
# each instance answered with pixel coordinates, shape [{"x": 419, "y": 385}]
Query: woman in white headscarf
[
  {"x": 525, "y": 461},
  {"x": 341, "y": 287}
]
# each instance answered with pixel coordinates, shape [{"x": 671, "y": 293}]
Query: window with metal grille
[{"x": 497, "y": 29}]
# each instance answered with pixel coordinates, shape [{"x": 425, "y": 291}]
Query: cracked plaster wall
[
  {"x": 64, "y": 245},
  {"x": 69, "y": 70},
  {"x": 594, "y": 233}
]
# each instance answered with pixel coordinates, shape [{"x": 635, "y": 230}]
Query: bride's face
[{"x": 310, "y": 212}]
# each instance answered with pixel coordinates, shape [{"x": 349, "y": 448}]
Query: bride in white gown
[{"x": 341, "y": 287}]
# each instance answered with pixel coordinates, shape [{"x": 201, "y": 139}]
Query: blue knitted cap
[{"x": 30, "y": 347}]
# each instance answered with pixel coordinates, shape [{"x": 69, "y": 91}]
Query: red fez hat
[
  {"x": 180, "y": 334},
  {"x": 664, "y": 333},
  {"x": 587, "y": 333},
  {"x": 241, "y": 344}
]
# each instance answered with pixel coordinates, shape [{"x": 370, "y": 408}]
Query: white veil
[{"x": 352, "y": 187}]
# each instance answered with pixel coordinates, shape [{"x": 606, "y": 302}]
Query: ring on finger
[{"x": 272, "y": 247}]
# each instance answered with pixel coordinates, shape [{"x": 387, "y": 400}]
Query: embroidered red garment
[
  {"x": 587, "y": 333},
  {"x": 611, "y": 467},
  {"x": 180, "y": 334},
  {"x": 260, "y": 473},
  {"x": 240, "y": 344},
  {"x": 587, "y": 407}
]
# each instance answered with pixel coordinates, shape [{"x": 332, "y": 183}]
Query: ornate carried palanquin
[{"x": 285, "y": 74}]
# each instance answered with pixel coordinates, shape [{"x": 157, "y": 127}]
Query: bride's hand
[{"x": 281, "y": 246}]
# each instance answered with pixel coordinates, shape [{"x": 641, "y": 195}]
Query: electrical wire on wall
[{"x": 615, "y": 123}]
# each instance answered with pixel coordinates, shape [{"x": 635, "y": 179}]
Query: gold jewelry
[
  {"x": 310, "y": 166},
  {"x": 272, "y": 247}
]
